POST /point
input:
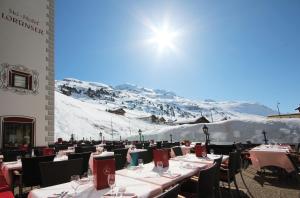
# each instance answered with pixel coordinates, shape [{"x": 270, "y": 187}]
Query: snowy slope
[
  {"x": 81, "y": 106},
  {"x": 235, "y": 130}
]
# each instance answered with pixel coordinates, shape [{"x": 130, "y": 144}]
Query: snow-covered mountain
[{"x": 82, "y": 108}]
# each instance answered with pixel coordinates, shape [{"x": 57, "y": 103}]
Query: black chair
[
  {"x": 85, "y": 163},
  {"x": 30, "y": 175},
  {"x": 53, "y": 173},
  {"x": 218, "y": 162},
  {"x": 119, "y": 162},
  {"x": 11, "y": 155},
  {"x": 170, "y": 193},
  {"x": 109, "y": 147},
  {"x": 121, "y": 158},
  {"x": 206, "y": 182},
  {"x": 294, "y": 158},
  {"x": 84, "y": 149},
  {"x": 139, "y": 145},
  {"x": 149, "y": 156},
  {"x": 59, "y": 147},
  {"x": 177, "y": 151},
  {"x": 159, "y": 145},
  {"x": 227, "y": 174}
]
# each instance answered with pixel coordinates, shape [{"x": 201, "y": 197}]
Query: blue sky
[{"x": 226, "y": 50}]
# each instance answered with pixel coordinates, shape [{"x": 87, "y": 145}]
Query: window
[
  {"x": 17, "y": 132},
  {"x": 20, "y": 80}
]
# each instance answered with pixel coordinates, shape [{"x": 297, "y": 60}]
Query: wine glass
[
  {"x": 75, "y": 183},
  {"x": 111, "y": 182},
  {"x": 203, "y": 154},
  {"x": 211, "y": 151},
  {"x": 160, "y": 166},
  {"x": 122, "y": 190},
  {"x": 90, "y": 174},
  {"x": 18, "y": 158}
]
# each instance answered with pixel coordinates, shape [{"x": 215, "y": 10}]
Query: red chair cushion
[{"x": 6, "y": 194}]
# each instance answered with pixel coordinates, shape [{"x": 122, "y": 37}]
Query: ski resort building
[{"x": 26, "y": 73}]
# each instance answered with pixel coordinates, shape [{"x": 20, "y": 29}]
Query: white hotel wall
[{"x": 21, "y": 46}]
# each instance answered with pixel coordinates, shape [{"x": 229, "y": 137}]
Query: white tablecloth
[
  {"x": 173, "y": 174},
  {"x": 141, "y": 189},
  {"x": 202, "y": 160}
]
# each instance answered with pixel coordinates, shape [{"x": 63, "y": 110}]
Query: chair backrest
[
  {"x": 121, "y": 159},
  {"x": 53, "y": 173},
  {"x": 119, "y": 162},
  {"x": 206, "y": 182},
  {"x": 233, "y": 163},
  {"x": 218, "y": 162},
  {"x": 297, "y": 147},
  {"x": 11, "y": 155},
  {"x": 31, "y": 175},
  {"x": 294, "y": 159},
  {"x": 59, "y": 147},
  {"x": 170, "y": 193},
  {"x": 84, "y": 149},
  {"x": 85, "y": 157},
  {"x": 238, "y": 159},
  {"x": 177, "y": 151},
  {"x": 139, "y": 145},
  {"x": 149, "y": 157},
  {"x": 158, "y": 144}
]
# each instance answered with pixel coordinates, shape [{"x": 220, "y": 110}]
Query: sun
[{"x": 163, "y": 39}]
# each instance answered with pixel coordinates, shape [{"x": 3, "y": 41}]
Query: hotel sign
[{"x": 22, "y": 20}]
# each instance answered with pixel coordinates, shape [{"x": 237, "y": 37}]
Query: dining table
[
  {"x": 133, "y": 189},
  {"x": 142, "y": 181},
  {"x": 271, "y": 155}
]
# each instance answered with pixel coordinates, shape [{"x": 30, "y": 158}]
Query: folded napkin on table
[
  {"x": 125, "y": 195},
  {"x": 171, "y": 175}
]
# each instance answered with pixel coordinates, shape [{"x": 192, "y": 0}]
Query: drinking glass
[
  {"x": 90, "y": 174},
  {"x": 160, "y": 166},
  {"x": 203, "y": 154},
  {"x": 111, "y": 182},
  {"x": 140, "y": 161},
  {"x": 75, "y": 183},
  {"x": 211, "y": 151}
]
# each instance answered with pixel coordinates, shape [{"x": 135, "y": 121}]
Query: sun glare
[{"x": 163, "y": 38}]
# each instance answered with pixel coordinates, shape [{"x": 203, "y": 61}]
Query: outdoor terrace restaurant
[{"x": 150, "y": 169}]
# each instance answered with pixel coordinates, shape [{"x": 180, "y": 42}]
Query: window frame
[{"x": 27, "y": 76}]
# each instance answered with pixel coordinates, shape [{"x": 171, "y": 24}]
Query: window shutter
[
  {"x": 30, "y": 83},
  {"x": 10, "y": 78}
]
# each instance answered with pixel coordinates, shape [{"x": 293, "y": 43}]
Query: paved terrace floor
[{"x": 275, "y": 185}]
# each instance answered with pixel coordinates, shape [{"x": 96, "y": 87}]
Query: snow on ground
[
  {"x": 235, "y": 130},
  {"x": 83, "y": 112},
  {"x": 87, "y": 120}
]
